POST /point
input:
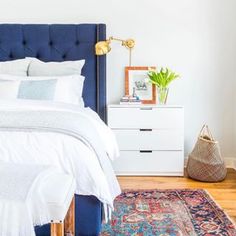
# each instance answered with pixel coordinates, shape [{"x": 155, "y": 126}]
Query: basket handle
[{"x": 205, "y": 130}]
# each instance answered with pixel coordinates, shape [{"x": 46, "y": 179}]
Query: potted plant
[{"x": 162, "y": 79}]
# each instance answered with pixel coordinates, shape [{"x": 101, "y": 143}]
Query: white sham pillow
[
  {"x": 67, "y": 89},
  {"x": 15, "y": 67},
  {"x": 40, "y": 68}
]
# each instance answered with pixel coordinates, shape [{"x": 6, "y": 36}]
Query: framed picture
[{"x": 136, "y": 81}]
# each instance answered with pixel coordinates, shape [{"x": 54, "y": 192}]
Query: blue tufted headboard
[{"x": 61, "y": 42}]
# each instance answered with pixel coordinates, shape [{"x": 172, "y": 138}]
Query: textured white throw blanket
[
  {"x": 93, "y": 171},
  {"x": 21, "y": 204}
]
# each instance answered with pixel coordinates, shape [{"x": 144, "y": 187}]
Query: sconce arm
[{"x": 129, "y": 43}]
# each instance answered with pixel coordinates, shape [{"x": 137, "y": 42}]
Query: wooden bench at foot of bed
[
  {"x": 59, "y": 194},
  {"x": 68, "y": 227}
]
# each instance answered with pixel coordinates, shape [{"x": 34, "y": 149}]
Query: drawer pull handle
[
  {"x": 146, "y": 108},
  {"x": 145, "y": 130},
  {"x": 145, "y": 151}
]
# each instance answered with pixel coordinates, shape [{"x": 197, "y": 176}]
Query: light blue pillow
[{"x": 37, "y": 90}]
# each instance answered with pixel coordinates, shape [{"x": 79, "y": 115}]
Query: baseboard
[{"x": 229, "y": 161}]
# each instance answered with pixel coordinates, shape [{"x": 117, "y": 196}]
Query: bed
[{"x": 58, "y": 42}]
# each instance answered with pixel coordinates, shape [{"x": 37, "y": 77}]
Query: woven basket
[{"x": 205, "y": 162}]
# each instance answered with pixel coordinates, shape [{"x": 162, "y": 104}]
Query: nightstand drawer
[
  {"x": 149, "y": 139},
  {"x": 150, "y": 163},
  {"x": 145, "y": 117}
]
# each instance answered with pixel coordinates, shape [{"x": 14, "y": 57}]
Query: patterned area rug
[{"x": 168, "y": 212}]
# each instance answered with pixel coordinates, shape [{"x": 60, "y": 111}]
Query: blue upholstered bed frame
[{"x": 64, "y": 42}]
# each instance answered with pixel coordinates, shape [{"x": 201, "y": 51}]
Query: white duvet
[{"x": 65, "y": 152}]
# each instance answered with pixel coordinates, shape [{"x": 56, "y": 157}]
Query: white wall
[{"x": 196, "y": 38}]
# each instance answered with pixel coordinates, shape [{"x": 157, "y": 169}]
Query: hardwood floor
[{"x": 224, "y": 193}]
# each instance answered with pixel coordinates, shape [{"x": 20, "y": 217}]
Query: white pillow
[
  {"x": 40, "y": 68},
  {"x": 67, "y": 89},
  {"x": 15, "y": 67}
]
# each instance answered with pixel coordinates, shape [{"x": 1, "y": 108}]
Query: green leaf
[{"x": 162, "y": 78}]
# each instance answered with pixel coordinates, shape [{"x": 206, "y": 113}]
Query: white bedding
[{"x": 66, "y": 152}]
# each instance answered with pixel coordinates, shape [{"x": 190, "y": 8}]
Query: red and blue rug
[{"x": 168, "y": 213}]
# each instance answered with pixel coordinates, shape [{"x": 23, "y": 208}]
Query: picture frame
[{"x": 135, "y": 79}]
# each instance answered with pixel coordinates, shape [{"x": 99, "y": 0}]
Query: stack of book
[{"x": 130, "y": 100}]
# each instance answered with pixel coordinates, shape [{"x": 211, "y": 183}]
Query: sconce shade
[{"x": 102, "y": 48}]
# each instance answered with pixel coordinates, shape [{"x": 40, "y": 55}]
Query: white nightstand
[{"x": 150, "y": 138}]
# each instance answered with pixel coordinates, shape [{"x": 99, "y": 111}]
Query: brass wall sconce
[{"x": 103, "y": 47}]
